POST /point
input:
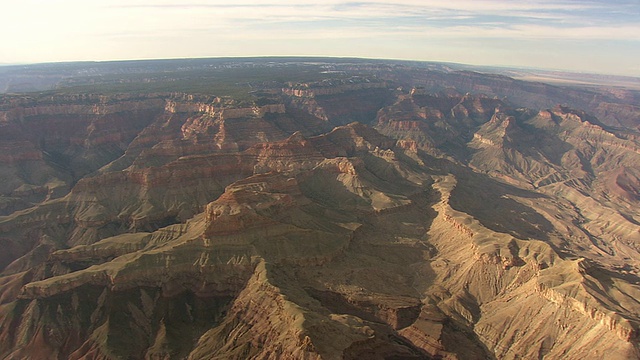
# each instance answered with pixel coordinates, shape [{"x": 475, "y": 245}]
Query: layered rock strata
[{"x": 183, "y": 226}]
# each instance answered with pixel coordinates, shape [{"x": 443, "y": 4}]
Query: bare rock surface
[{"x": 442, "y": 225}]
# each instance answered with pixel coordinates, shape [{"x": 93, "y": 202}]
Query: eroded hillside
[{"x": 441, "y": 224}]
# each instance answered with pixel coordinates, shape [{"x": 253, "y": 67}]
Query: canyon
[{"x": 376, "y": 211}]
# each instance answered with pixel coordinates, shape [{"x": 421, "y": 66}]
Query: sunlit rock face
[{"x": 344, "y": 219}]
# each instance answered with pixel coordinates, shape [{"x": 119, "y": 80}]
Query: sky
[{"x": 584, "y": 36}]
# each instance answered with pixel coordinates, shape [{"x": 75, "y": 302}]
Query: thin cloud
[
  {"x": 199, "y": 27},
  {"x": 567, "y": 12}
]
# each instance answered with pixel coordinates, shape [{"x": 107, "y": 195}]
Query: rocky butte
[{"x": 389, "y": 213}]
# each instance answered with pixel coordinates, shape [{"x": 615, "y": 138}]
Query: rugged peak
[
  {"x": 297, "y": 137},
  {"x": 503, "y": 120},
  {"x": 499, "y": 131},
  {"x": 342, "y": 165},
  {"x": 417, "y": 91},
  {"x": 351, "y": 139},
  {"x": 578, "y": 116},
  {"x": 250, "y": 204},
  {"x": 290, "y": 155}
]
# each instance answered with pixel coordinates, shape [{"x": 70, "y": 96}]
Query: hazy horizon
[{"x": 578, "y": 36}]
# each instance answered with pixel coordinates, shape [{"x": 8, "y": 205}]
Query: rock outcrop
[{"x": 172, "y": 226}]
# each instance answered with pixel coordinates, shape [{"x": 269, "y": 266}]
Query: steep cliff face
[
  {"x": 283, "y": 215},
  {"x": 509, "y": 277},
  {"x": 50, "y": 143},
  {"x": 182, "y": 154},
  {"x": 340, "y": 102},
  {"x": 613, "y": 106},
  {"x": 444, "y": 120},
  {"x": 211, "y": 229}
]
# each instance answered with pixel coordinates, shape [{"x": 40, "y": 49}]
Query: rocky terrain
[{"x": 392, "y": 214}]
